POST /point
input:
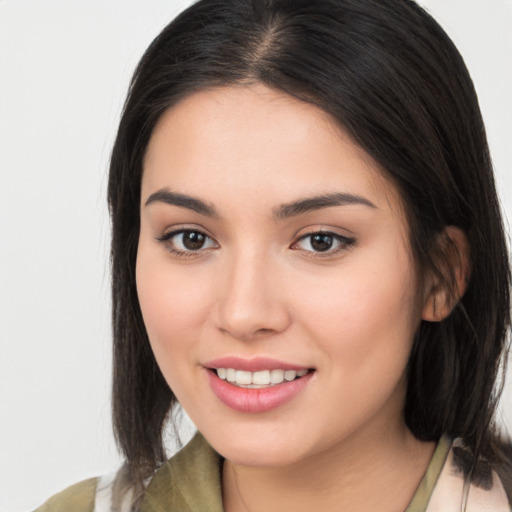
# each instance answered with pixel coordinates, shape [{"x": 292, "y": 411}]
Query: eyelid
[
  {"x": 166, "y": 240},
  {"x": 171, "y": 230},
  {"x": 345, "y": 243}
]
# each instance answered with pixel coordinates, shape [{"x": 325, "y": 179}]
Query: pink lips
[
  {"x": 252, "y": 365},
  {"x": 254, "y": 400}
]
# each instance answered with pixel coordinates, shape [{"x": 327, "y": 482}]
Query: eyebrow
[
  {"x": 164, "y": 195},
  {"x": 281, "y": 212},
  {"x": 318, "y": 202}
]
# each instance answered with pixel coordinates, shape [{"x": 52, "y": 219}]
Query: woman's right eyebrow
[{"x": 164, "y": 195}]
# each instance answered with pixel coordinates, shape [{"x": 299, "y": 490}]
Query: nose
[{"x": 251, "y": 296}]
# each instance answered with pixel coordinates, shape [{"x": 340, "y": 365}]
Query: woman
[{"x": 308, "y": 255}]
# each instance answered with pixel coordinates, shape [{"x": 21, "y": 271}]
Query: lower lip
[{"x": 256, "y": 400}]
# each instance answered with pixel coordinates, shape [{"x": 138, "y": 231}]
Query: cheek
[
  {"x": 364, "y": 324},
  {"x": 174, "y": 302},
  {"x": 365, "y": 316}
]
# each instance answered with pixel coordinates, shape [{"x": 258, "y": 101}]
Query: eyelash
[
  {"x": 342, "y": 241},
  {"x": 166, "y": 239}
]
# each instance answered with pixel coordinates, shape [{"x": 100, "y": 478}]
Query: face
[{"x": 274, "y": 277}]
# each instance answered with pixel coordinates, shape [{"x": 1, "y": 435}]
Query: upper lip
[{"x": 255, "y": 364}]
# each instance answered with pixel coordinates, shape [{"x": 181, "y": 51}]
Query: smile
[
  {"x": 257, "y": 385},
  {"x": 260, "y": 379}
]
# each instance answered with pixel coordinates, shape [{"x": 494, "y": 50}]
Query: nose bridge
[{"x": 251, "y": 300}]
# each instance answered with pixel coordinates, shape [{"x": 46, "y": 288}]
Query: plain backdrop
[{"x": 64, "y": 70}]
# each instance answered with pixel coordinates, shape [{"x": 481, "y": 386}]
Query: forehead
[{"x": 261, "y": 144}]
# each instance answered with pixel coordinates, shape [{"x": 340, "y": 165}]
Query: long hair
[{"x": 391, "y": 77}]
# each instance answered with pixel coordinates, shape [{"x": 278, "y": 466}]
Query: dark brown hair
[{"x": 389, "y": 75}]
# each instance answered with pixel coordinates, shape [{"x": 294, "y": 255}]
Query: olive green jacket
[{"x": 191, "y": 482}]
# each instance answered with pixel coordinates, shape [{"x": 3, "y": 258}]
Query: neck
[{"x": 370, "y": 472}]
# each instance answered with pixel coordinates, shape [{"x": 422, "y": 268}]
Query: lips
[
  {"x": 257, "y": 385},
  {"x": 253, "y": 365}
]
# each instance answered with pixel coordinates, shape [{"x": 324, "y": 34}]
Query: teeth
[
  {"x": 290, "y": 375},
  {"x": 243, "y": 377},
  {"x": 276, "y": 376},
  {"x": 259, "y": 379}
]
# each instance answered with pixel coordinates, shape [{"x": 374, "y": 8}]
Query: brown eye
[
  {"x": 323, "y": 242},
  {"x": 193, "y": 240},
  {"x": 187, "y": 241}
]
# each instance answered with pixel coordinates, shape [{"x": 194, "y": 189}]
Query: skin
[{"x": 258, "y": 288}]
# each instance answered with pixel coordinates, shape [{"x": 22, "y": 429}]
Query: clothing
[{"x": 191, "y": 482}]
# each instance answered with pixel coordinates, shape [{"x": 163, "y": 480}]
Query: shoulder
[
  {"x": 486, "y": 492},
  {"x": 504, "y": 469},
  {"x": 189, "y": 481},
  {"x": 77, "y": 498}
]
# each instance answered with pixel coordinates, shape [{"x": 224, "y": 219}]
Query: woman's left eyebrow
[{"x": 310, "y": 204}]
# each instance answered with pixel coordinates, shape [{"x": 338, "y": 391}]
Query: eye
[
  {"x": 187, "y": 241},
  {"x": 323, "y": 243}
]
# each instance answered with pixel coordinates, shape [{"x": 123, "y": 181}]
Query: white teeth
[
  {"x": 243, "y": 377},
  {"x": 259, "y": 379},
  {"x": 276, "y": 376},
  {"x": 262, "y": 377},
  {"x": 290, "y": 375}
]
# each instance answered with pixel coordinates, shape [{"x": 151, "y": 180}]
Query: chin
[
  {"x": 260, "y": 456},
  {"x": 258, "y": 449}
]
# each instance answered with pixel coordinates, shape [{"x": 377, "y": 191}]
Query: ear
[{"x": 442, "y": 297}]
